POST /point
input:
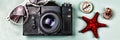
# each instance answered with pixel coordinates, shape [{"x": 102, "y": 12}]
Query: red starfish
[{"x": 92, "y": 24}]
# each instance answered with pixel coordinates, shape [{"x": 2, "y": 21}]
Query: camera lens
[{"x": 50, "y": 22}]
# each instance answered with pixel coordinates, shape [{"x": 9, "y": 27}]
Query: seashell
[{"x": 108, "y": 13}]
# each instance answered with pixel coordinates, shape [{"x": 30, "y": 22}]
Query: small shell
[{"x": 108, "y": 13}]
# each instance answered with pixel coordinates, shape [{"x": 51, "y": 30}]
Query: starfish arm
[
  {"x": 95, "y": 17},
  {"x": 85, "y": 29},
  {"x": 95, "y": 32},
  {"x": 102, "y": 25},
  {"x": 85, "y": 19}
]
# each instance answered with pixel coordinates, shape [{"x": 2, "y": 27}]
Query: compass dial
[{"x": 86, "y": 7}]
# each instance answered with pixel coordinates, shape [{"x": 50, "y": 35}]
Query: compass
[{"x": 86, "y": 7}]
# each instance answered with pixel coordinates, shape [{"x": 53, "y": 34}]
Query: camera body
[{"x": 50, "y": 19}]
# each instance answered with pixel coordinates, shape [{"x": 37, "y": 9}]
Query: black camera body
[{"x": 50, "y": 19}]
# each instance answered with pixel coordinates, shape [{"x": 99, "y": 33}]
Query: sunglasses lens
[
  {"x": 17, "y": 14},
  {"x": 33, "y": 1}
]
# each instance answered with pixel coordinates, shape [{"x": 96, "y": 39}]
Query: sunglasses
[{"x": 17, "y": 14}]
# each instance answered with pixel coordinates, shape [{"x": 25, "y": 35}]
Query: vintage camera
[{"x": 49, "y": 19}]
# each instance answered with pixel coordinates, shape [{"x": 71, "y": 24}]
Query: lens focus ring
[{"x": 50, "y": 22}]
